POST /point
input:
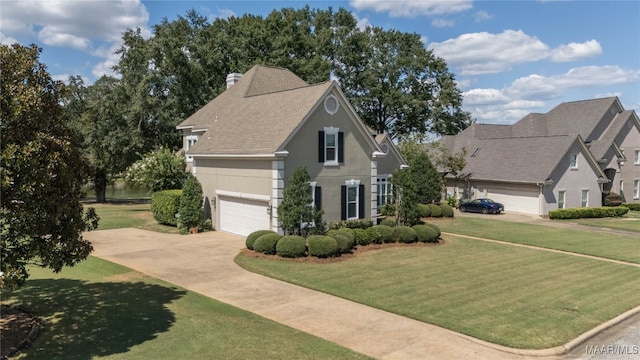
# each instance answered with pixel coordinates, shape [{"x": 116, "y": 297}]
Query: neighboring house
[
  {"x": 244, "y": 145},
  {"x": 572, "y": 156}
]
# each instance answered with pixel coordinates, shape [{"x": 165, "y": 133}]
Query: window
[
  {"x": 561, "y": 195},
  {"x": 330, "y": 146},
  {"x": 636, "y": 157},
  {"x": 636, "y": 189},
  {"x": 352, "y": 200},
  {"x": 585, "y": 198},
  {"x": 316, "y": 200},
  {"x": 384, "y": 191},
  {"x": 191, "y": 140},
  {"x": 574, "y": 161}
]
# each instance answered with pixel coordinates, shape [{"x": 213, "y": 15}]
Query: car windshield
[{"x": 488, "y": 200}]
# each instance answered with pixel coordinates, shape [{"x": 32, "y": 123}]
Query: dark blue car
[{"x": 485, "y": 206}]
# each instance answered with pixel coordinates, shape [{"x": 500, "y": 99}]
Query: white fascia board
[{"x": 276, "y": 155}]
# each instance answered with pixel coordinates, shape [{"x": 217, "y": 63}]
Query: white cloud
[
  {"x": 487, "y": 53},
  {"x": 440, "y": 22},
  {"x": 361, "y": 23},
  {"x": 225, "y": 13},
  {"x": 483, "y": 16},
  {"x": 533, "y": 93},
  {"x": 51, "y": 35},
  {"x": 413, "y": 8},
  {"x": 576, "y": 51},
  {"x": 7, "y": 40}
]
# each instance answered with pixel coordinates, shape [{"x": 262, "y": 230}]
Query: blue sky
[{"x": 510, "y": 58}]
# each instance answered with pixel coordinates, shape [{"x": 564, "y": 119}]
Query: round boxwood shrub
[
  {"x": 345, "y": 244},
  {"x": 436, "y": 228},
  {"x": 322, "y": 246},
  {"x": 436, "y": 211},
  {"x": 291, "y": 246},
  {"x": 404, "y": 234},
  {"x": 373, "y": 235},
  {"x": 343, "y": 231},
  {"x": 361, "y": 237},
  {"x": 251, "y": 239},
  {"x": 447, "y": 211},
  {"x": 424, "y": 210},
  {"x": 388, "y": 222},
  {"x": 267, "y": 243},
  {"x": 386, "y": 233},
  {"x": 425, "y": 233}
]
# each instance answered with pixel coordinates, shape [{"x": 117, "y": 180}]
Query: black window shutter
[
  {"x": 361, "y": 201},
  {"x": 343, "y": 202},
  {"x": 318, "y": 197},
  {"x": 321, "y": 146},
  {"x": 340, "y": 147}
]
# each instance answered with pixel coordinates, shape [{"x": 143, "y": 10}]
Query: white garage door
[
  {"x": 243, "y": 216},
  {"x": 516, "y": 200}
]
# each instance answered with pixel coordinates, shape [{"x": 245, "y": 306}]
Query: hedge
[
  {"x": 322, "y": 246},
  {"x": 361, "y": 237},
  {"x": 424, "y": 210},
  {"x": 388, "y": 222},
  {"x": 436, "y": 228},
  {"x": 404, "y": 234},
  {"x": 267, "y": 243},
  {"x": 165, "y": 205},
  {"x": 345, "y": 239},
  {"x": 291, "y": 246},
  {"x": 351, "y": 224},
  {"x": 251, "y": 239},
  {"x": 425, "y": 233},
  {"x": 632, "y": 206},
  {"x": 436, "y": 211},
  {"x": 386, "y": 232},
  {"x": 578, "y": 213},
  {"x": 447, "y": 210}
]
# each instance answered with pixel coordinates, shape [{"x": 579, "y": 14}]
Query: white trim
[
  {"x": 276, "y": 155},
  {"x": 241, "y": 195},
  {"x": 331, "y": 130},
  {"x": 331, "y": 111},
  {"x": 352, "y": 184},
  {"x": 277, "y": 189}
]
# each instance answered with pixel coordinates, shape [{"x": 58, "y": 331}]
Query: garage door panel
[
  {"x": 243, "y": 216},
  {"x": 521, "y": 201}
]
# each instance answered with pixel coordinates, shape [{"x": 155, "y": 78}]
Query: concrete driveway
[{"x": 204, "y": 263}]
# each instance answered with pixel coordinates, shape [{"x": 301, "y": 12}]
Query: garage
[
  {"x": 516, "y": 199},
  {"x": 243, "y": 215}
]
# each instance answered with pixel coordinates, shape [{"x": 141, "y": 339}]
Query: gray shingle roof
[{"x": 257, "y": 114}]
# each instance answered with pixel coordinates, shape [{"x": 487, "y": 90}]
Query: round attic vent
[
  {"x": 384, "y": 148},
  {"x": 331, "y": 104}
]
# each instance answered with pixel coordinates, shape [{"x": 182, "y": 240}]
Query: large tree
[
  {"x": 43, "y": 169},
  {"x": 397, "y": 86}
]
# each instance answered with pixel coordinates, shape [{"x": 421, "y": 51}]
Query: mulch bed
[
  {"x": 356, "y": 251},
  {"x": 18, "y": 328}
]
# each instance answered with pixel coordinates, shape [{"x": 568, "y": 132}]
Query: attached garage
[
  {"x": 243, "y": 214},
  {"x": 516, "y": 199}
]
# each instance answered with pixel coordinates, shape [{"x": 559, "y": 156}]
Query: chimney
[{"x": 232, "y": 79}]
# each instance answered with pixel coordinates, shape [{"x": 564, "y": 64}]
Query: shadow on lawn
[{"x": 83, "y": 320}]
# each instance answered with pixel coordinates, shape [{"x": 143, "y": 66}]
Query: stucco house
[
  {"x": 571, "y": 156},
  {"x": 244, "y": 145}
]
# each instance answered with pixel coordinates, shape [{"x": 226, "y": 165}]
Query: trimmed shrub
[
  {"x": 578, "y": 213},
  {"x": 322, "y": 246},
  {"x": 267, "y": 243},
  {"x": 351, "y": 224},
  {"x": 447, "y": 211},
  {"x": 345, "y": 239},
  {"x": 374, "y": 235},
  {"x": 388, "y": 222},
  {"x": 424, "y": 210},
  {"x": 612, "y": 199},
  {"x": 436, "y": 228},
  {"x": 191, "y": 204},
  {"x": 386, "y": 233},
  {"x": 404, "y": 234},
  {"x": 361, "y": 237},
  {"x": 436, "y": 211},
  {"x": 425, "y": 233},
  {"x": 165, "y": 205},
  {"x": 632, "y": 206},
  {"x": 346, "y": 231},
  {"x": 291, "y": 246},
  {"x": 251, "y": 239}
]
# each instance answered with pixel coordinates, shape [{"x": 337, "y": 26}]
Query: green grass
[
  {"x": 617, "y": 247},
  {"x": 629, "y": 222},
  {"x": 100, "y": 309},
  {"x": 518, "y": 297},
  {"x": 123, "y": 215}
]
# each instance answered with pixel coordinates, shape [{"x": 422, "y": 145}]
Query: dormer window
[{"x": 191, "y": 140}]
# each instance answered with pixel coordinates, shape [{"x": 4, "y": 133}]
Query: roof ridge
[{"x": 285, "y": 90}]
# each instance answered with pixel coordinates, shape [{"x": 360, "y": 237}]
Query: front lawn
[
  {"x": 102, "y": 310},
  {"x": 518, "y": 297},
  {"x": 629, "y": 222},
  {"x": 616, "y": 247},
  {"x": 123, "y": 215}
]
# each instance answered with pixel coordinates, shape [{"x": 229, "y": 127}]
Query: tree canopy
[{"x": 43, "y": 169}]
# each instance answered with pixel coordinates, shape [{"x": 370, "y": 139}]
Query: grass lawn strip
[
  {"x": 629, "y": 222},
  {"x": 124, "y": 215},
  {"x": 616, "y": 247},
  {"x": 544, "y": 249},
  {"x": 101, "y": 309},
  {"x": 512, "y": 296}
]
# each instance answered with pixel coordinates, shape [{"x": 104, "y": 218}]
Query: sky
[{"x": 509, "y": 58}]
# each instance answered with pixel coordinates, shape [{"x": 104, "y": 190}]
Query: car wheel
[
  {"x": 485, "y": 211},
  {"x": 463, "y": 209}
]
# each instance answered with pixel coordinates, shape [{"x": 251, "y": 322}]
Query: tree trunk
[{"x": 100, "y": 183}]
